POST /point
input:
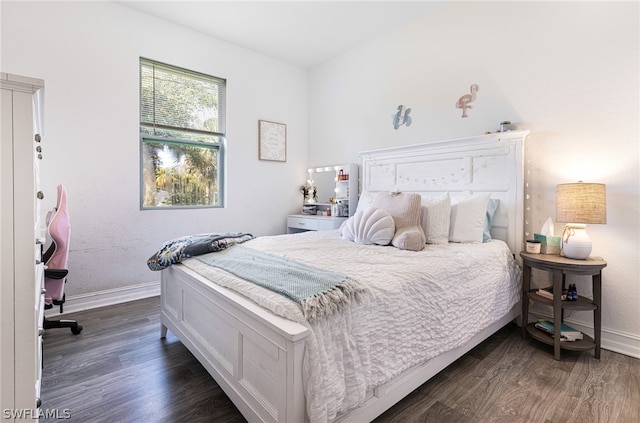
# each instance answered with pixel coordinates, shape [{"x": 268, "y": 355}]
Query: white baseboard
[
  {"x": 619, "y": 342},
  {"x": 109, "y": 297},
  {"x": 623, "y": 343}
]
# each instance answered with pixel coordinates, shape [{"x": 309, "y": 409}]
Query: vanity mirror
[{"x": 337, "y": 188}]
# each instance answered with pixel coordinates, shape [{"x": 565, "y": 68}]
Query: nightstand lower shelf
[{"x": 585, "y": 344}]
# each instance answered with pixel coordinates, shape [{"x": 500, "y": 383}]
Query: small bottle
[{"x": 572, "y": 295}]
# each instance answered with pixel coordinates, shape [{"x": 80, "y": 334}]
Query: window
[{"x": 182, "y": 132}]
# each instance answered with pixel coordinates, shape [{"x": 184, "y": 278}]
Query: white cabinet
[
  {"x": 346, "y": 189},
  {"x": 22, "y": 283},
  {"x": 303, "y": 222},
  {"x": 338, "y": 183}
]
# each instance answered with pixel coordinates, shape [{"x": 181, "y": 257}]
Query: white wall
[
  {"x": 566, "y": 71},
  {"x": 87, "y": 53}
]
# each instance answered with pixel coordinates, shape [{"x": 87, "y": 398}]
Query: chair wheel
[{"x": 76, "y": 330}]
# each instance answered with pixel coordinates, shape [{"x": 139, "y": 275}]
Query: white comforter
[{"x": 418, "y": 305}]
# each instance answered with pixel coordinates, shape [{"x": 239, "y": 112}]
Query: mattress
[{"x": 416, "y": 306}]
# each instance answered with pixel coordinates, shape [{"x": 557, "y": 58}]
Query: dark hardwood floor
[{"x": 118, "y": 370}]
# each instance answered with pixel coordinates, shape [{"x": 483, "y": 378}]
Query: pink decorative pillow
[{"x": 406, "y": 210}]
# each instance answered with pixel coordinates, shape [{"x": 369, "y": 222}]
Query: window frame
[{"x": 218, "y": 146}]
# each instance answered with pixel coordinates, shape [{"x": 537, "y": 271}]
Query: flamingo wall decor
[{"x": 464, "y": 102}]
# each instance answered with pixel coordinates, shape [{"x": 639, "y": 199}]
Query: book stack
[
  {"x": 548, "y": 293},
  {"x": 567, "y": 333}
]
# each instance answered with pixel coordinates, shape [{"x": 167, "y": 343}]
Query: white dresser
[
  {"x": 303, "y": 222},
  {"x": 22, "y": 283}
]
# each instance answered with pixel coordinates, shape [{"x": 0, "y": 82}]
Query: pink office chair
[{"x": 55, "y": 260}]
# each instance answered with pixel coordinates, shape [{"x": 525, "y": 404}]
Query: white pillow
[
  {"x": 436, "y": 218},
  {"x": 365, "y": 200},
  {"x": 369, "y": 226},
  {"x": 467, "y": 218}
]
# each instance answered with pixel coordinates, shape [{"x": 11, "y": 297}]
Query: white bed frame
[{"x": 256, "y": 356}]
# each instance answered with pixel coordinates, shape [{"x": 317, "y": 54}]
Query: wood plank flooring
[{"x": 118, "y": 370}]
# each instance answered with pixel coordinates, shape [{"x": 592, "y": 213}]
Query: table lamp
[{"x": 579, "y": 204}]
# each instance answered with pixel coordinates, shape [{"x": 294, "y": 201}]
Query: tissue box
[{"x": 550, "y": 244}]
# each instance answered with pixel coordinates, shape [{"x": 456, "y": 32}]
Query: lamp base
[{"x": 576, "y": 244}]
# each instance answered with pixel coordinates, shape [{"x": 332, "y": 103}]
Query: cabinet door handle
[{"x": 40, "y": 195}]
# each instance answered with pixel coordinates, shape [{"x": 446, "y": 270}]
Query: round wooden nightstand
[{"x": 559, "y": 267}]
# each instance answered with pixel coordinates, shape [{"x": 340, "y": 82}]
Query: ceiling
[{"x": 303, "y": 33}]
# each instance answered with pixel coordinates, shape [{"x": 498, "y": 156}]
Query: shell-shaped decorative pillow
[{"x": 369, "y": 226}]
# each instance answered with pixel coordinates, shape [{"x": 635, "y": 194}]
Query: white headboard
[{"x": 491, "y": 163}]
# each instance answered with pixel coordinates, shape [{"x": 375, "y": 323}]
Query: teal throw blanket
[{"x": 319, "y": 292}]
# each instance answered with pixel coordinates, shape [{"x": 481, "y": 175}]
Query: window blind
[{"x": 180, "y": 101}]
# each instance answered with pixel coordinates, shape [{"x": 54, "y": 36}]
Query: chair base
[{"x": 57, "y": 324}]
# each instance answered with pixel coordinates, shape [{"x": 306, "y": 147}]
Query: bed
[{"x": 352, "y": 365}]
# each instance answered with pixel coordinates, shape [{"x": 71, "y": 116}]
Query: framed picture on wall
[{"x": 272, "y": 141}]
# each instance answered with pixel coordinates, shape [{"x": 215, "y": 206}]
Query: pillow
[
  {"x": 405, "y": 208},
  {"x": 436, "y": 216},
  {"x": 492, "y": 206},
  {"x": 467, "y": 218},
  {"x": 369, "y": 226},
  {"x": 409, "y": 238},
  {"x": 365, "y": 200}
]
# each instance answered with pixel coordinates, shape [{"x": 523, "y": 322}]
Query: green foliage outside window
[{"x": 182, "y": 135}]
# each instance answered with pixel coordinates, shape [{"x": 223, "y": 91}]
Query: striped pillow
[{"x": 436, "y": 217}]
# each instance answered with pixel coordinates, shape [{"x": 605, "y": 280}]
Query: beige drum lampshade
[
  {"x": 581, "y": 203},
  {"x": 578, "y": 204}
]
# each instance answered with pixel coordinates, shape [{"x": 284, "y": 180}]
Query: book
[
  {"x": 566, "y": 331},
  {"x": 548, "y": 293}
]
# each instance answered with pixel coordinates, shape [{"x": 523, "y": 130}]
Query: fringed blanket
[
  {"x": 319, "y": 292},
  {"x": 178, "y": 249}
]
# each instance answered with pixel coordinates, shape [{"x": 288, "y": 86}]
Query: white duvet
[{"x": 418, "y": 305}]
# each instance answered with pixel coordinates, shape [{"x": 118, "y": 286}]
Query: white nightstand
[{"x": 304, "y": 222}]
